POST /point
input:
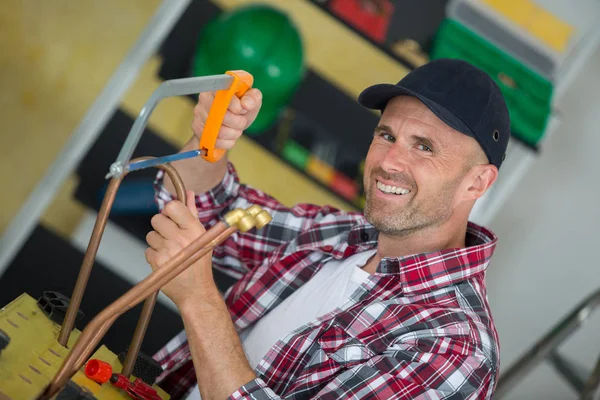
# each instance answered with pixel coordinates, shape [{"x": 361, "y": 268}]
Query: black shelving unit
[{"x": 324, "y": 117}]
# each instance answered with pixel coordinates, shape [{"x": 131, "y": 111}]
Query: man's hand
[
  {"x": 239, "y": 116},
  {"x": 197, "y": 173},
  {"x": 220, "y": 363},
  {"x": 175, "y": 228}
]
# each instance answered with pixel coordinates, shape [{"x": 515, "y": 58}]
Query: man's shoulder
[{"x": 478, "y": 314}]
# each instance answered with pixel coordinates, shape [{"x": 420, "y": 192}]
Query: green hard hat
[{"x": 261, "y": 40}]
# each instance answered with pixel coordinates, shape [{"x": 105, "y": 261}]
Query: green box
[{"x": 528, "y": 94}]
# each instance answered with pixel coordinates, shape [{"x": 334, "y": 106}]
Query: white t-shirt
[{"x": 330, "y": 288}]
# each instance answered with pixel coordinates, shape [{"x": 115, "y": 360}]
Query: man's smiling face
[{"x": 417, "y": 169}]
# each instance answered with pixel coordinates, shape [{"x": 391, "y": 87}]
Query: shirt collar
[{"x": 424, "y": 272}]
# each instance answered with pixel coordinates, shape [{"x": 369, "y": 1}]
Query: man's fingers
[
  {"x": 235, "y": 121},
  {"x": 205, "y": 102},
  {"x": 151, "y": 254},
  {"x": 164, "y": 226},
  {"x": 227, "y": 133},
  {"x": 154, "y": 240},
  {"x": 224, "y": 144},
  {"x": 252, "y": 100},
  {"x": 180, "y": 214},
  {"x": 240, "y": 114},
  {"x": 205, "y": 99},
  {"x": 235, "y": 106}
]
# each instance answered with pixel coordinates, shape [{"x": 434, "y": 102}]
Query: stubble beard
[{"x": 405, "y": 219}]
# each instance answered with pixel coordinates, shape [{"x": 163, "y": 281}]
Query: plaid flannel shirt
[{"x": 419, "y": 328}]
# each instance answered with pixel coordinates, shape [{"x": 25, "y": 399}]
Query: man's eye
[
  {"x": 388, "y": 137},
  {"x": 424, "y": 147}
]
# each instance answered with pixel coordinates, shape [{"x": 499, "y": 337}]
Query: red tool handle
[
  {"x": 242, "y": 81},
  {"x": 137, "y": 389}
]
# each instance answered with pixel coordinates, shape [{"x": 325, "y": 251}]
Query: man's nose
[{"x": 395, "y": 159}]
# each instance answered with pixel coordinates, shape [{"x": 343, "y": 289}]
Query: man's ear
[{"x": 481, "y": 177}]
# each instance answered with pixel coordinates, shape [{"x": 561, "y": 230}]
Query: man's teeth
[{"x": 391, "y": 189}]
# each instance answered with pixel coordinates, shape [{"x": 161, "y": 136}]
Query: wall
[
  {"x": 545, "y": 262},
  {"x": 55, "y": 59}
]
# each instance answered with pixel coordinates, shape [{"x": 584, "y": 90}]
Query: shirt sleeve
[
  {"x": 243, "y": 251},
  {"x": 403, "y": 376}
]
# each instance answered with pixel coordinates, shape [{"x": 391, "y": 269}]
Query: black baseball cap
[{"x": 460, "y": 94}]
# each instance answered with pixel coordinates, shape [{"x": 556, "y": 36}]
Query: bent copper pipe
[
  {"x": 95, "y": 330},
  {"x": 138, "y": 335},
  {"x": 146, "y": 314},
  {"x": 94, "y": 244},
  {"x": 104, "y": 326}
]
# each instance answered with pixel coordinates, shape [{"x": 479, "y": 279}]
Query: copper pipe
[
  {"x": 146, "y": 314},
  {"x": 95, "y": 330},
  {"x": 138, "y": 335},
  {"x": 88, "y": 262},
  {"x": 94, "y": 244},
  {"x": 101, "y": 331}
]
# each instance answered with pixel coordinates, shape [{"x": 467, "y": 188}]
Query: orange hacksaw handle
[{"x": 242, "y": 81}]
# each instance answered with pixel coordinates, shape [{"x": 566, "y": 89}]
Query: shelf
[
  {"x": 330, "y": 118},
  {"x": 332, "y": 49},
  {"x": 330, "y": 125},
  {"x": 323, "y": 116},
  {"x": 383, "y": 48}
]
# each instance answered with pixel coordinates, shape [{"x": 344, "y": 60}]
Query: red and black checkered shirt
[{"x": 418, "y": 328}]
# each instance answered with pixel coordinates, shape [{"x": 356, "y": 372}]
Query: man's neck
[{"x": 424, "y": 241}]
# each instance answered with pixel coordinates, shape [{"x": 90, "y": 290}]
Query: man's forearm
[
  {"x": 219, "y": 360},
  {"x": 197, "y": 174}
]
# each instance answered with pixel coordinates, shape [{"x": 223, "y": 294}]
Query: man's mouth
[{"x": 388, "y": 189}]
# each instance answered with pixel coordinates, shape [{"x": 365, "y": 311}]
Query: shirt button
[
  {"x": 327, "y": 248},
  {"x": 364, "y": 236}
]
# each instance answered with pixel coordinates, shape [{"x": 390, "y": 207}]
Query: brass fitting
[
  {"x": 246, "y": 223},
  {"x": 254, "y": 210},
  {"x": 248, "y": 218},
  {"x": 261, "y": 216},
  {"x": 241, "y": 219},
  {"x": 262, "y": 219},
  {"x": 233, "y": 216}
]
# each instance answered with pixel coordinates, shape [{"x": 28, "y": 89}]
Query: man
[{"x": 331, "y": 304}]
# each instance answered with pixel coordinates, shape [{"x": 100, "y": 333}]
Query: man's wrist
[{"x": 205, "y": 300}]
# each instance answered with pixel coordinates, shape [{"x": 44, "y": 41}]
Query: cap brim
[{"x": 376, "y": 97}]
